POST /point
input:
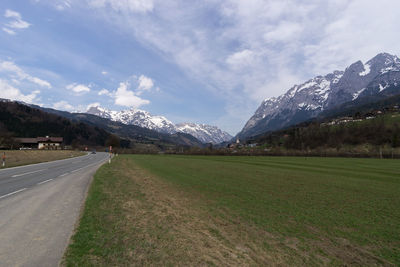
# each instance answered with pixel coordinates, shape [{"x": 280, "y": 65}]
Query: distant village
[
  {"x": 42, "y": 143},
  {"x": 358, "y": 117}
]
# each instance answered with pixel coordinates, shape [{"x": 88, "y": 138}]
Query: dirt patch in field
[
  {"x": 343, "y": 250},
  {"x": 350, "y": 254}
]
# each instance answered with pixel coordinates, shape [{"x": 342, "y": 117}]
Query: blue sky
[{"x": 202, "y": 61}]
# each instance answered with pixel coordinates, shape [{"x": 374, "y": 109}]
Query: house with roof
[{"x": 44, "y": 143}]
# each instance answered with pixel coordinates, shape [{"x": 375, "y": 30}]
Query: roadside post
[
  {"x": 109, "y": 159},
  {"x": 4, "y": 159}
]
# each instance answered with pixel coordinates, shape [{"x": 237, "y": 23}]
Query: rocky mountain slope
[
  {"x": 308, "y": 100},
  {"x": 205, "y": 133}
]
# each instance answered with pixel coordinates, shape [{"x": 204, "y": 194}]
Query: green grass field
[{"x": 255, "y": 210}]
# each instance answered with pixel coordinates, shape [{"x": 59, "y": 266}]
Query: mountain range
[
  {"x": 376, "y": 78},
  {"x": 320, "y": 97},
  {"x": 134, "y": 133},
  {"x": 204, "y": 133}
]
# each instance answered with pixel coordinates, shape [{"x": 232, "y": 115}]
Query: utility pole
[{"x": 4, "y": 159}]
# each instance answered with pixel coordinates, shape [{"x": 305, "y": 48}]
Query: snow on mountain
[
  {"x": 366, "y": 71},
  {"x": 307, "y": 100},
  {"x": 310, "y": 96},
  {"x": 136, "y": 117},
  {"x": 205, "y": 133}
]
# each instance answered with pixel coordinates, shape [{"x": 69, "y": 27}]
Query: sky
[{"x": 204, "y": 61}]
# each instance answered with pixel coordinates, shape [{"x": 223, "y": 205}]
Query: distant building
[{"x": 44, "y": 143}]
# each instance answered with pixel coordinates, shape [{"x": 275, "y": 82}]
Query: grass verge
[
  {"x": 186, "y": 210},
  {"x": 24, "y": 157}
]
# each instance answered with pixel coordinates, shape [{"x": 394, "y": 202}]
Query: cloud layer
[
  {"x": 124, "y": 96},
  {"x": 17, "y": 73},
  {"x": 239, "y": 52},
  {"x": 8, "y": 91},
  {"x": 78, "y": 88},
  {"x": 258, "y": 48},
  {"x": 127, "y": 98}
]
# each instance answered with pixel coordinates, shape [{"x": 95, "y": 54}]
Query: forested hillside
[
  {"x": 18, "y": 120},
  {"x": 80, "y": 129},
  {"x": 382, "y": 130}
]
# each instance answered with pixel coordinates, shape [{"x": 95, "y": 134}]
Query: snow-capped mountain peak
[
  {"x": 99, "y": 111},
  {"x": 307, "y": 100},
  {"x": 205, "y": 133},
  {"x": 137, "y": 117}
]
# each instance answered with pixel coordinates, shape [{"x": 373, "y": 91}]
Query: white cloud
[
  {"x": 40, "y": 82},
  {"x": 15, "y": 23},
  {"x": 145, "y": 83},
  {"x": 9, "y": 66},
  {"x": 7, "y": 91},
  {"x": 12, "y": 14},
  {"x": 62, "y": 4},
  {"x": 127, "y": 98},
  {"x": 285, "y": 31},
  {"x": 141, "y": 6},
  {"x": 15, "y": 81},
  {"x": 78, "y": 88},
  {"x": 123, "y": 96},
  {"x": 104, "y": 92},
  {"x": 241, "y": 59},
  {"x": 63, "y": 105},
  {"x": 96, "y": 104},
  {"x": 7, "y": 30},
  {"x": 104, "y": 72},
  {"x": 356, "y": 32}
]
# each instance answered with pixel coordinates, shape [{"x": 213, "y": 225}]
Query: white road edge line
[
  {"x": 79, "y": 169},
  {"x": 84, "y": 167},
  {"x": 22, "y": 174},
  {"x": 10, "y": 194},
  {"x": 45, "y": 181}
]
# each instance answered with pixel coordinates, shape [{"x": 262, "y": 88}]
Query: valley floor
[{"x": 212, "y": 210}]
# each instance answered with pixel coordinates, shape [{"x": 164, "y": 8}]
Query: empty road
[{"x": 39, "y": 207}]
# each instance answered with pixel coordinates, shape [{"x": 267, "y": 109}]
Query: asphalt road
[{"x": 39, "y": 207}]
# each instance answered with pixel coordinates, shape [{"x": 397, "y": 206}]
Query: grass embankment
[
  {"x": 25, "y": 157},
  {"x": 187, "y": 210}
]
